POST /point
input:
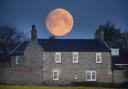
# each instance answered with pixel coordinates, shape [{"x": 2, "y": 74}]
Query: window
[
  {"x": 17, "y": 59},
  {"x": 75, "y": 57},
  {"x": 55, "y": 74},
  {"x": 91, "y": 75},
  {"x": 75, "y": 76},
  {"x": 58, "y": 57},
  {"x": 115, "y": 52},
  {"x": 98, "y": 57}
]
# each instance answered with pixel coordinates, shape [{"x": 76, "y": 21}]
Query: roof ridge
[
  {"x": 107, "y": 45},
  {"x": 83, "y": 45},
  {"x": 67, "y": 39},
  {"x": 16, "y": 47}
]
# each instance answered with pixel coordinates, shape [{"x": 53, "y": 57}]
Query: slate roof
[
  {"x": 67, "y": 45},
  {"x": 20, "y": 50},
  {"x": 118, "y": 60},
  {"x": 5, "y": 49},
  {"x": 5, "y": 58}
]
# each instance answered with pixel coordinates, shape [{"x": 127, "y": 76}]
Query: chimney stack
[
  {"x": 100, "y": 34},
  {"x": 34, "y": 33}
]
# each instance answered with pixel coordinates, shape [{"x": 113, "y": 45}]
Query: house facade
[{"x": 59, "y": 61}]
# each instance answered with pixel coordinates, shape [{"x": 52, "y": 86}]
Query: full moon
[{"x": 59, "y": 22}]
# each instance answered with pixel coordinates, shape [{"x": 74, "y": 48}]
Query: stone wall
[
  {"x": 20, "y": 74},
  {"x": 119, "y": 76},
  {"x": 26, "y": 76},
  {"x": 32, "y": 58},
  {"x": 30, "y": 67},
  {"x": 5, "y": 65},
  {"x": 87, "y": 61},
  {"x": 21, "y": 61},
  {"x": 33, "y": 55},
  {"x": 36, "y": 66}
]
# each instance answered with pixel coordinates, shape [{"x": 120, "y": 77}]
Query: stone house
[{"x": 60, "y": 61}]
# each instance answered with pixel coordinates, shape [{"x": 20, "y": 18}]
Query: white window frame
[
  {"x": 17, "y": 60},
  {"x": 98, "y": 57},
  {"x": 75, "y": 56},
  {"x": 57, "y": 57},
  {"x": 114, "y": 51},
  {"x": 90, "y": 72},
  {"x": 57, "y": 75}
]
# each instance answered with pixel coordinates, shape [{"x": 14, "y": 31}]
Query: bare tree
[
  {"x": 112, "y": 34},
  {"x": 10, "y": 34},
  {"x": 10, "y": 37},
  {"x": 114, "y": 37}
]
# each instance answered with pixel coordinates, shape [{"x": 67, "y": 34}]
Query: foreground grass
[{"x": 48, "y": 87}]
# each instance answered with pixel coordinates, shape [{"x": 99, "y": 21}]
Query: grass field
[{"x": 48, "y": 87}]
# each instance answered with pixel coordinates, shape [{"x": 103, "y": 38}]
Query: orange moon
[{"x": 59, "y": 22}]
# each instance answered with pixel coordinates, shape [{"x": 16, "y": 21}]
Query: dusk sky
[{"x": 87, "y": 14}]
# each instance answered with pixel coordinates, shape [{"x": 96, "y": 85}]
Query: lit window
[
  {"x": 75, "y": 57},
  {"x": 58, "y": 57},
  {"x": 115, "y": 52},
  {"x": 91, "y": 75},
  {"x": 17, "y": 59},
  {"x": 98, "y": 57},
  {"x": 55, "y": 74}
]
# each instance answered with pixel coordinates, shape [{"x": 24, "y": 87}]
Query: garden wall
[{"x": 27, "y": 76}]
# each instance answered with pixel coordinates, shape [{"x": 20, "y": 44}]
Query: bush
[
  {"x": 97, "y": 84},
  {"x": 124, "y": 85}
]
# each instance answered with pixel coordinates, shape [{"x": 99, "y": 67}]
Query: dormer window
[
  {"x": 58, "y": 57},
  {"x": 115, "y": 52}
]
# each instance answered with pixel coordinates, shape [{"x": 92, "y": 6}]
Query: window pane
[
  {"x": 76, "y": 77},
  {"x": 88, "y": 75},
  {"x": 17, "y": 59},
  {"x": 98, "y": 57},
  {"x": 98, "y": 60},
  {"x": 93, "y": 76},
  {"x": 75, "y": 57},
  {"x": 55, "y": 75},
  {"x": 58, "y": 57}
]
